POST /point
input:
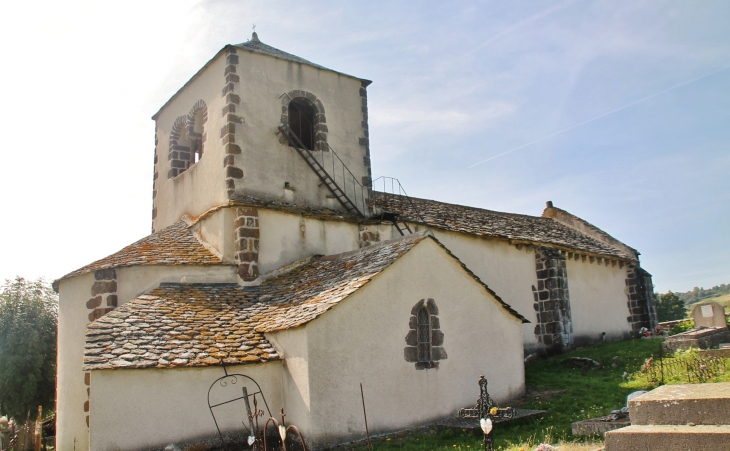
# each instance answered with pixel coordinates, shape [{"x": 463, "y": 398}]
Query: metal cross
[
  {"x": 254, "y": 28},
  {"x": 486, "y": 410}
]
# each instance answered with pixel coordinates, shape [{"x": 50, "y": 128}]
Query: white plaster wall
[
  {"x": 285, "y": 238},
  {"x": 505, "y": 269},
  {"x": 135, "y": 280},
  {"x": 72, "y": 322},
  {"x": 292, "y": 346},
  {"x": 217, "y": 233},
  {"x": 266, "y": 163},
  {"x": 362, "y": 340},
  {"x": 598, "y": 301},
  {"x": 150, "y": 408},
  {"x": 72, "y": 432},
  {"x": 203, "y": 185}
]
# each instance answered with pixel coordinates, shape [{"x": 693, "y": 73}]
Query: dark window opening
[
  {"x": 196, "y": 145},
  {"x": 424, "y": 335},
  {"x": 301, "y": 123}
]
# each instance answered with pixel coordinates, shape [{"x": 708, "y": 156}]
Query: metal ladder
[
  {"x": 323, "y": 175},
  {"x": 396, "y": 189}
]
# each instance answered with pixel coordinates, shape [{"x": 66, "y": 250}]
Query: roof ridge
[{"x": 462, "y": 206}]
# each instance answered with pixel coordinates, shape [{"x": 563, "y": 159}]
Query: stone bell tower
[{"x": 259, "y": 123}]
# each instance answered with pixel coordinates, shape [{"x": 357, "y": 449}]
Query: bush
[
  {"x": 28, "y": 321},
  {"x": 682, "y": 327}
]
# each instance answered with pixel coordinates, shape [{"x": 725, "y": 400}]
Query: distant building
[{"x": 272, "y": 253}]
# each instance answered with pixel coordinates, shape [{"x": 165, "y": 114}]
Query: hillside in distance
[{"x": 718, "y": 293}]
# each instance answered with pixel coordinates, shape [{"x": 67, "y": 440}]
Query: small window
[
  {"x": 424, "y": 341},
  {"x": 301, "y": 123},
  {"x": 196, "y": 144},
  {"x": 424, "y": 336}
]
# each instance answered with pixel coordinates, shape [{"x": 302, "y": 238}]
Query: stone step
[
  {"x": 683, "y": 404},
  {"x": 669, "y": 438}
]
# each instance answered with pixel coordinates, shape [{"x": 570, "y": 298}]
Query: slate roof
[
  {"x": 200, "y": 324},
  {"x": 173, "y": 245},
  {"x": 481, "y": 222},
  {"x": 255, "y": 45}
]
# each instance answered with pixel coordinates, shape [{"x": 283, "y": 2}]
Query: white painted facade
[
  {"x": 72, "y": 431},
  {"x": 360, "y": 340}
]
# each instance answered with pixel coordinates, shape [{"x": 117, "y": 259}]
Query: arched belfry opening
[
  {"x": 301, "y": 122},
  {"x": 196, "y": 135}
]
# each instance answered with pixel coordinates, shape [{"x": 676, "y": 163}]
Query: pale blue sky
[{"x": 455, "y": 83}]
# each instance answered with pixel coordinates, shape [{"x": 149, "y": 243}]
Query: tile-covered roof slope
[
  {"x": 198, "y": 325},
  {"x": 255, "y": 45},
  {"x": 481, "y": 222},
  {"x": 173, "y": 245}
]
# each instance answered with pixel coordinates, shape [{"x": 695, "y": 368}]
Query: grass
[
  {"x": 567, "y": 394},
  {"x": 722, "y": 299}
]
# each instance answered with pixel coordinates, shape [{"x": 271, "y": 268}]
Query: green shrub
[{"x": 682, "y": 327}]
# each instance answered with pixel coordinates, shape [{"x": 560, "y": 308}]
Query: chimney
[{"x": 549, "y": 204}]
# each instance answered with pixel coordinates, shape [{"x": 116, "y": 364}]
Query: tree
[
  {"x": 669, "y": 307},
  {"x": 28, "y": 321}
]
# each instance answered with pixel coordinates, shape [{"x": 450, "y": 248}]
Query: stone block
[
  {"x": 410, "y": 353},
  {"x": 431, "y": 304},
  {"x": 418, "y": 306},
  {"x": 412, "y": 338},
  {"x": 596, "y": 426},
  {"x": 438, "y": 353},
  {"x": 669, "y": 438},
  {"x": 705, "y": 404},
  {"x": 93, "y": 302},
  {"x": 105, "y": 274},
  {"x": 437, "y": 337},
  {"x": 104, "y": 286}
]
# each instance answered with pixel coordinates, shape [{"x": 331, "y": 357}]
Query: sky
[{"x": 617, "y": 111}]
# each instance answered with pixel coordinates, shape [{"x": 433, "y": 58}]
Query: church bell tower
[{"x": 257, "y": 123}]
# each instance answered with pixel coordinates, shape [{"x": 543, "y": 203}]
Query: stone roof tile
[
  {"x": 173, "y": 245},
  {"x": 202, "y": 324},
  {"x": 481, "y": 222}
]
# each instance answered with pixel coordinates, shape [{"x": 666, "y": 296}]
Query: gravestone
[{"x": 711, "y": 314}]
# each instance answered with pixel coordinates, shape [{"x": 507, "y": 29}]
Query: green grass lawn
[{"x": 567, "y": 394}]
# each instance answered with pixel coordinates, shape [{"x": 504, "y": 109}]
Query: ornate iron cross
[{"x": 486, "y": 411}]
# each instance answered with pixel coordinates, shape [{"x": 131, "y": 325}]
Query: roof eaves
[{"x": 295, "y": 59}]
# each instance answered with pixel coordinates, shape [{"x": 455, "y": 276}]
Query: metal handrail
[
  {"x": 401, "y": 192},
  {"x": 360, "y": 192}
]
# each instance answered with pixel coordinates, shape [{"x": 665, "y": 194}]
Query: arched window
[
  {"x": 424, "y": 341},
  {"x": 196, "y": 141},
  {"x": 424, "y": 335},
  {"x": 186, "y": 139},
  {"x": 301, "y": 122}
]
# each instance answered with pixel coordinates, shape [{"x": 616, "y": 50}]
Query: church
[{"x": 276, "y": 256}]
